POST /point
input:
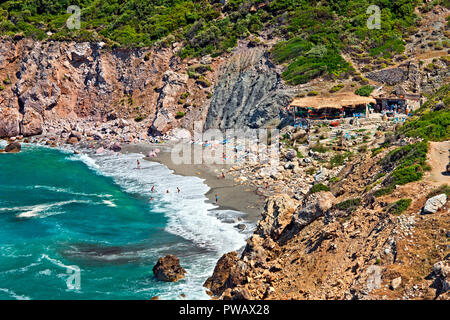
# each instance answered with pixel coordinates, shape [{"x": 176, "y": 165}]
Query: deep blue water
[{"x": 61, "y": 212}]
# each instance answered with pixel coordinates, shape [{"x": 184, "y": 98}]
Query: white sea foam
[
  {"x": 14, "y": 295},
  {"x": 68, "y": 191},
  {"x": 55, "y": 262},
  {"x": 189, "y": 214},
  {"x": 109, "y": 203},
  {"x": 41, "y": 210}
]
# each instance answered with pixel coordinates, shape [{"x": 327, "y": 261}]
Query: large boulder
[
  {"x": 31, "y": 123},
  {"x": 168, "y": 269},
  {"x": 43, "y": 96},
  {"x": 9, "y": 122},
  {"x": 276, "y": 216},
  {"x": 291, "y": 155},
  {"x": 314, "y": 206},
  {"x": 163, "y": 122},
  {"x": 441, "y": 277},
  {"x": 435, "y": 203},
  {"x": 13, "y": 147}
]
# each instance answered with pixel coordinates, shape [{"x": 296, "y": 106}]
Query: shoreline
[{"x": 231, "y": 195}]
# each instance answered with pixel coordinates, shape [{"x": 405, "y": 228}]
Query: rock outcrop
[
  {"x": 435, "y": 203},
  {"x": 13, "y": 147},
  {"x": 441, "y": 277},
  {"x": 223, "y": 273},
  {"x": 9, "y": 122},
  {"x": 168, "y": 269},
  {"x": 249, "y": 92}
]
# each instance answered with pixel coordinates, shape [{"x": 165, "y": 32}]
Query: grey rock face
[
  {"x": 249, "y": 93},
  {"x": 388, "y": 76}
]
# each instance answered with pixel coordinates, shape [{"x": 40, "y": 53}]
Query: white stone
[{"x": 435, "y": 203}]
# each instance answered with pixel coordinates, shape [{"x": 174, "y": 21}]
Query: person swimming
[
  {"x": 217, "y": 198},
  {"x": 178, "y": 189},
  {"x": 138, "y": 164},
  {"x": 167, "y": 191},
  {"x": 153, "y": 189}
]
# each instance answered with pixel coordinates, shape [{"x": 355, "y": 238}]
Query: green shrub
[
  {"x": 336, "y": 88},
  {"x": 334, "y": 180},
  {"x": 349, "y": 205},
  {"x": 431, "y": 125},
  {"x": 364, "y": 91},
  {"x": 179, "y": 115},
  {"x": 376, "y": 151},
  {"x": 185, "y": 95},
  {"x": 203, "y": 82},
  {"x": 312, "y": 93},
  {"x": 400, "y": 206},
  {"x": 384, "y": 191},
  {"x": 310, "y": 171},
  {"x": 320, "y": 148},
  {"x": 139, "y": 118},
  {"x": 319, "y": 187},
  {"x": 337, "y": 160}
]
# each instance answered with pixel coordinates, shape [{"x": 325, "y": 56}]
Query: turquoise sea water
[{"x": 60, "y": 212}]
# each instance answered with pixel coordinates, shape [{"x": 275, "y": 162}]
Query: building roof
[{"x": 337, "y": 101}]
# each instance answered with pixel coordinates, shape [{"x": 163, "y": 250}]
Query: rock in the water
[
  {"x": 168, "y": 269},
  {"x": 13, "y": 147},
  {"x": 72, "y": 140},
  {"x": 435, "y": 203}
]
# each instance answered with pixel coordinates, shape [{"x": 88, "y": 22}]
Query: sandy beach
[{"x": 231, "y": 195}]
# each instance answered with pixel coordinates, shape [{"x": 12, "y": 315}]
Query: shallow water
[{"x": 61, "y": 212}]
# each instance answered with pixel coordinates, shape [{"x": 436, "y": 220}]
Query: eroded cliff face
[
  {"x": 249, "y": 92},
  {"x": 47, "y": 82},
  {"x": 50, "y": 81}
]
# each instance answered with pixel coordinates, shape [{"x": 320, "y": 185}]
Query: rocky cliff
[
  {"x": 51, "y": 82},
  {"x": 343, "y": 244},
  {"x": 249, "y": 92}
]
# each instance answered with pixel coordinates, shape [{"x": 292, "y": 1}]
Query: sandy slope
[{"x": 438, "y": 158}]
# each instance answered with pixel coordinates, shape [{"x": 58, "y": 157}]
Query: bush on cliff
[
  {"x": 319, "y": 187},
  {"x": 400, "y": 206}
]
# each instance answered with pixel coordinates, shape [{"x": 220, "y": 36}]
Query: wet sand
[{"x": 232, "y": 195}]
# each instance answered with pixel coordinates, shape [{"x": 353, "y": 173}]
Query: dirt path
[{"x": 438, "y": 158}]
